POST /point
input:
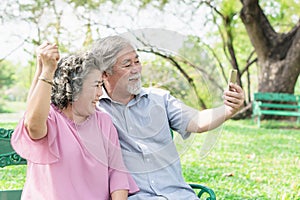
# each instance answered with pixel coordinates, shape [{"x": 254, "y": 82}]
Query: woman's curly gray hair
[{"x": 69, "y": 76}]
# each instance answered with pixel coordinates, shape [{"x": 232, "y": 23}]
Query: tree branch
[
  {"x": 293, "y": 52},
  {"x": 182, "y": 71},
  {"x": 260, "y": 32}
]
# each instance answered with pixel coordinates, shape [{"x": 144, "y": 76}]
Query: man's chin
[{"x": 134, "y": 91}]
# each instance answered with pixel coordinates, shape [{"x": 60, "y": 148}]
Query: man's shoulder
[{"x": 157, "y": 94}]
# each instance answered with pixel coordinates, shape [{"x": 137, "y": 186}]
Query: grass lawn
[
  {"x": 246, "y": 162},
  {"x": 249, "y": 162}
]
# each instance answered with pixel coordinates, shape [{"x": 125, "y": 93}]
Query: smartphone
[{"x": 232, "y": 77}]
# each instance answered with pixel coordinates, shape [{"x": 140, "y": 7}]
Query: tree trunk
[{"x": 278, "y": 53}]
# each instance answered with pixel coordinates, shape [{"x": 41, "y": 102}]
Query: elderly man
[{"x": 144, "y": 117}]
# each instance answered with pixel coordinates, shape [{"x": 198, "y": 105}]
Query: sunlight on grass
[
  {"x": 12, "y": 177},
  {"x": 249, "y": 163}
]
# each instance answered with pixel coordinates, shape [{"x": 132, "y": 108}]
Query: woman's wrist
[
  {"x": 47, "y": 75},
  {"x": 48, "y": 81}
]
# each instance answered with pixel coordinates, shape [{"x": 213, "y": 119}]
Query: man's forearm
[{"x": 206, "y": 120}]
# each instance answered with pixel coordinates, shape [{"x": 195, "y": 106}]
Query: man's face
[{"x": 126, "y": 76}]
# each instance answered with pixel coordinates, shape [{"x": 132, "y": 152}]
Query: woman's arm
[
  {"x": 38, "y": 101},
  {"x": 119, "y": 195},
  {"x": 38, "y": 70}
]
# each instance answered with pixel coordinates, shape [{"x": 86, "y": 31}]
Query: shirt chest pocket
[{"x": 147, "y": 122}]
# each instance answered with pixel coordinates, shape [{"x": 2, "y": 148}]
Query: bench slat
[
  {"x": 272, "y": 105},
  {"x": 280, "y": 112},
  {"x": 10, "y": 194},
  {"x": 283, "y": 97}
]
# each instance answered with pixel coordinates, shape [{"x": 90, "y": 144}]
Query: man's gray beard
[{"x": 135, "y": 88}]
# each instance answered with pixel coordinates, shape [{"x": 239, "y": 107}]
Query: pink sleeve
[
  {"x": 43, "y": 151},
  {"x": 119, "y": 176}
]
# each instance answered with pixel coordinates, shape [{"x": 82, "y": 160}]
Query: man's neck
[
  {"x": 120, "y": 96},
  {"x": 124, "y": 100}
]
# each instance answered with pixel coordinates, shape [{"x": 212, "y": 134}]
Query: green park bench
[
  {"x": 9, "y": 157},
  {"x": 281, "y": 104}
]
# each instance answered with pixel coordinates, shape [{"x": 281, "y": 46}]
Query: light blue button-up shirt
[{"x": 147, "y": 145}]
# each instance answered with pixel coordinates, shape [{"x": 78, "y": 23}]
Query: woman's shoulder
[
  {"x": 57, "y": 116},
  {"x": 102, "y": 115}
]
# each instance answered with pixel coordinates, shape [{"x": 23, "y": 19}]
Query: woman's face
[{"x": 85, "y": 104}]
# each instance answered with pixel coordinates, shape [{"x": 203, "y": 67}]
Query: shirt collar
[
  {"x": 104, "y": 94},
  {"x": 144, "y": 93}
]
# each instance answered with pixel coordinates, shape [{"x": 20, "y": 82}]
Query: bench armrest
[
  {"x": 204, "y": 190},
  {"x": 256, "y": 108}
]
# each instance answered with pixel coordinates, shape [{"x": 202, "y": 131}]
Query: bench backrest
[
  {"x": 7, "y": 155},
  {"x": 281, "y": 97}
]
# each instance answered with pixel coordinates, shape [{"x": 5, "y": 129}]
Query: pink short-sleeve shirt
[{"x": 73, "y": 161}]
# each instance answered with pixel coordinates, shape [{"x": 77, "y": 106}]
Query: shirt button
[
  {"x": 148, "y": 159},
  {"x": 152, "y": 182}
]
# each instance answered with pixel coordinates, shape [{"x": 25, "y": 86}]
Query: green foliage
[
  {"x": 158, "y": 72},
  {"x": 7, "y": 79},
  {"x": 282, "y": 14},
  {"x": 162, "y": 74},
  {"x": 47, "y": 16},
  {"x": 232, "y": 48},
  {"x": 6, "y": 74},
  {"x": 297, "y": 88},
  {"x": 15, "y": 82},
  {"x": 202, "y": 67},
  {"x": 24, "y": 75},
  {"x": 2, "y": 106},
  {"x": 230, "y": 7}
]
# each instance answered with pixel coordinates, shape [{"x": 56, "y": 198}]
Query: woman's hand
[{"x": 47, "y": 57}]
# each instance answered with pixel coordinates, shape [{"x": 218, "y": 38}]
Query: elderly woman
[{"x": 72, "y": 150}]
